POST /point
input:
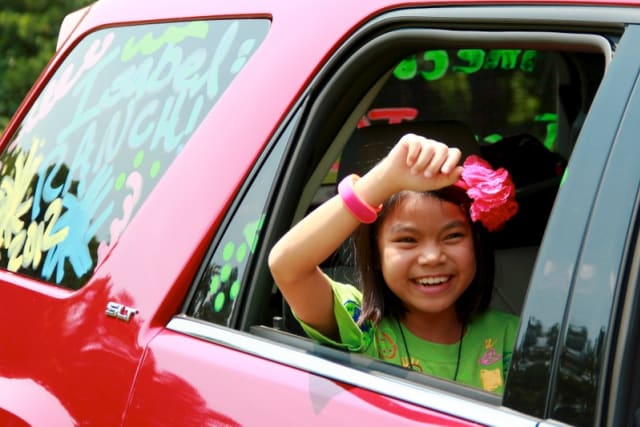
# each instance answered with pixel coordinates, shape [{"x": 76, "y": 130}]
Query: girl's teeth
[{"x": 432, "y": 281}]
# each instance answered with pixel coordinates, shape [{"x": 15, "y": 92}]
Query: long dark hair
[{"x": 379, "y": 301}]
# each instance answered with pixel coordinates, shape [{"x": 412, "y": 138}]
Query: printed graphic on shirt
[
  {"x": 353, "y": 308},
  {"x": 388, "y": 350},
  {"x": 415, "y": 364},
  {"x": 387, "y": 347},
  {"x": 491, "y": 379},
  {"x": 490, "y": 356}
]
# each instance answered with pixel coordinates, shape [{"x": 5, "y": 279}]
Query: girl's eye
[
  {"x": 404, "y": 239},
  {"x": 454, "y": 235}
]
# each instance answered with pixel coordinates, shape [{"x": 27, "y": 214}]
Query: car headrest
[{"x": 368, "y": 145}]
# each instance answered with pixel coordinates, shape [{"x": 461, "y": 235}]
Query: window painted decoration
[{"x": 100, "y": 135}]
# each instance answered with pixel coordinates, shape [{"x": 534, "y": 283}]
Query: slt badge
[{"x": 120, "y": 311}]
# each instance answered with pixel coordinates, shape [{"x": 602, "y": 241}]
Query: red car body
[
  {"x": 99, "y": 371},
  {"x": 104, "y": 355}
]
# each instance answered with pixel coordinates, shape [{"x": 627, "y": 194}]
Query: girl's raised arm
[{"x": 415, "y": 163}]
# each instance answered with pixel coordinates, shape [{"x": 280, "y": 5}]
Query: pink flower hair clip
[{"x": 492, "y": 192}]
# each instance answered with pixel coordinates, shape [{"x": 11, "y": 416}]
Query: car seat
[{"x": 368, "y": 145}]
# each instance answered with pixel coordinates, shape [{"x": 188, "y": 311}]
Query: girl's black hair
[{"x": 379, "y": 301}]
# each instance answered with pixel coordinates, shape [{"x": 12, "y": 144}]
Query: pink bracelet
[{"x": 363, "y": 212}]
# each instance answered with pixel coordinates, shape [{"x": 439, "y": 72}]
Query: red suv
[{"x": 168, "y": 145}]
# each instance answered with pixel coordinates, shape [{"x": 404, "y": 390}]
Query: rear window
[{"x": 101, "y": 134}]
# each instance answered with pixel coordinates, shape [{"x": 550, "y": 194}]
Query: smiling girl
[{"x": 425, "y": 273}]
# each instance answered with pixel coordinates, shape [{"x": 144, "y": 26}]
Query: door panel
[
  {"x": 601, "y": 270},
  {"x": 545, "y": 344},
  {"x": 188, "y": 381}
]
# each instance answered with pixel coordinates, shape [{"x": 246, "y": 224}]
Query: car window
[
  {"x": 222, "y": 279},
  {"x": 99, "y": 137},
  {"x": 519, "y": 108}
]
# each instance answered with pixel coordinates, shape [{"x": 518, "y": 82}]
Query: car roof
[{"x": 303, "y": 14}]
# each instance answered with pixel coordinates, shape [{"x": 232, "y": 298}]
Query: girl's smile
[
  {"x": 427, "y": 253},
  {"x": 432, "y": 285}
]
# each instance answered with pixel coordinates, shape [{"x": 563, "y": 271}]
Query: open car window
[{"x": 520, "y": 109}]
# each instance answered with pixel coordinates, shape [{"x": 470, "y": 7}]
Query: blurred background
[{"x": 28, "y": 35}]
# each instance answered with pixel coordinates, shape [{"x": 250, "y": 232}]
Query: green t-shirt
[{"x": 484, "y": 353}]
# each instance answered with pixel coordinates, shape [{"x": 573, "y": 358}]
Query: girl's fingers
[
  {"x": 451, "y": 161},
  {"x": 440, "y": 154},
  {"x": 413, "y": 149},
  {"x": 425, "y": 157},
  {"x": 428, "y": 157}
]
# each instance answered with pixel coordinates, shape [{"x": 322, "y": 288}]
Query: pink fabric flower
[{"x": 492, "y": 192}]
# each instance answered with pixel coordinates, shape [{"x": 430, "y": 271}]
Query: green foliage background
[{"x": 28, "y": 36}]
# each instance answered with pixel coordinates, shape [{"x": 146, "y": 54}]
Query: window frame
[
  {"x": 604, "y": 286},
  {"x": 573, "y": 240},
  {"x": 317, "y": 134}
]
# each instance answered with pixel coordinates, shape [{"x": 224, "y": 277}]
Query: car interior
[{"x": 534, "y": 151}]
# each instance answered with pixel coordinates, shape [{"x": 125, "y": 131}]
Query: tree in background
[{"x": 28, "y": 36}]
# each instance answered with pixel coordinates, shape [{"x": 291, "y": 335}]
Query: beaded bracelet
[{"x": 360, "y": 209}]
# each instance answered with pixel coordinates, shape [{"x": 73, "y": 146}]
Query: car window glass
[
  {"x": 101, "y": 134},
  {"x": 498, "y": 92},
  {"x": 223, "y": 278}
]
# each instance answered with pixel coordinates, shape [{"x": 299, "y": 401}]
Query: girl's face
[{"x": 426, "y": 253}]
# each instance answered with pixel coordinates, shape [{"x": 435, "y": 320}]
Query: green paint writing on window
[
  {"x": 137, "y": 160},
  {"x": 234, "y": 290},
  {"x": 506, "y": 59},
  {"x": 528, "y": 60},
  {"x": 227, "y": 252},
  {"x": 551, "y": 119},
  {"x": 440, "y": 61},
  {"x": 492, "y": 138},
  {"x": 434, "y": 64},
  {"x": 234, "y": 257},
  {"x": 149, "y": 44},
  {"x": 225, "y": 272},
  {"x": 473, "y": 58},
  {"x": 251, "y": 233},
  {"x": 120, "y": 181},
  {"x": 155, "y": 169},
  {"x": 218, "y": 302},
  {"x": 406, "y": 69},
  {"x": 214, "y": 284}
]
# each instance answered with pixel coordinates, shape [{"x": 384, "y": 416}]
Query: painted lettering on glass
[
  {"x": 434, "y": 64},
  {"x": 108, "y": 124}
]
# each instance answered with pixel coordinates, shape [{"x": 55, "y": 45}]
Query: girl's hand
[{"x": 420, "y": 164}]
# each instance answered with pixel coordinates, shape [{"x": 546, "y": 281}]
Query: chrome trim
[
  {"x": 553, "y": 423},
  {"x": 381, "y": 383},
  {"x": 120, "y": 311}
]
